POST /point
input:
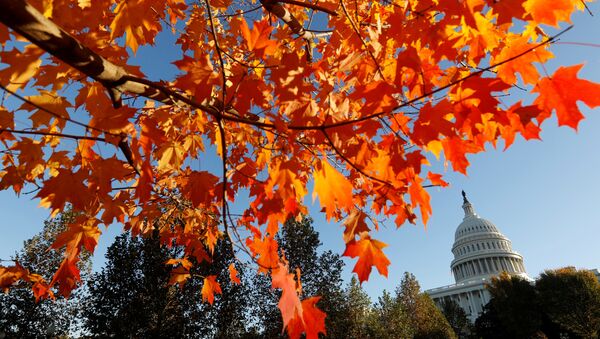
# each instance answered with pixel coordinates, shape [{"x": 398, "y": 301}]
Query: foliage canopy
[{"x": 345, "y": 97}]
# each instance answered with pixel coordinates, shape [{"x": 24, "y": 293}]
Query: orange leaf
[
  {"x": 233, "y": 274},
  {"x": 10, "y": 275},
  {"x": 266, "y": 250},
  {"x": 312, "y": 321},
  {"x": 333, "y": 189},
  {"x": 179, "y": 275},
  {"x": 369, "y": 254},
  {"x": 67, "y": 276},
  {"x": 84, "y": 232},
  {"x": 210, "y": 287},
  {"x": 257, "y": 39},
  {"x": 418, "y": 196},
  {"x": 65, "y": 187},
  {"x": 545, "y": 13},
  {"x": 355, "y": 224},
  {"x": 133, "y": 18},
  {"x": 289, "y": 303},
  {"x": 436, "y": 179},
  {"x": 561, "y": 93}
]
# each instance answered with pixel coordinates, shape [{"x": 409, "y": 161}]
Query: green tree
[
  {"x": 20, "y": 315},
  {"x": 456, "y": 316},
  {"x": 357, "y": 306},
  {"x": 515, "y": 304},
  {"x": 321, "y": 275},
  {"x": 389, "y": 320},
  {"x": 426, "y": 318},
  {"x": 131, "y": 296},
  {"x": 571, "y": 299}
]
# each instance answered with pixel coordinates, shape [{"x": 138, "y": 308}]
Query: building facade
[{"x": 480, "y": 252}]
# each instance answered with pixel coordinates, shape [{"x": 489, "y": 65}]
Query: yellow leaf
[
  {"x": 83, "y": 4},
  {"x": 333, "y": 189},
  {"x": 171, "y": 156}
]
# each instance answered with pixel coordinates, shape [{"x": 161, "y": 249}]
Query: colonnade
[{"x": 490, "y": 265}]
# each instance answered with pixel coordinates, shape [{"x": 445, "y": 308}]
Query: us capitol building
[{"x": 480, "y": 252}]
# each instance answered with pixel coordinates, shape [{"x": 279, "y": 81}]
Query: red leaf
[{"x": 312, "y": 321}]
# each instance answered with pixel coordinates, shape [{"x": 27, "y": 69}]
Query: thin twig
[
  {"x": 362, "y": 40},
  {"x": 218, "y": 48},
  {"x": 62, "y": 135},
  {"x": 41, "y": 108}
]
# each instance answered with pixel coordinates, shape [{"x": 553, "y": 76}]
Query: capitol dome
[{"x": 481, "y": 251}]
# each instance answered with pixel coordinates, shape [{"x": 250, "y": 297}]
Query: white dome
[
  {"x": 473, "y": 224},
  {"x": 480, "y": 250}
]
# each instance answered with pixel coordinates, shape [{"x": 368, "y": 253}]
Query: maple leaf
[
  {"x": 200, "y": 187},
  {"x": 333, "y": 189},
  {"x": 268, "y": 97},
  {"x": 561, "y": 93},
  {"x": 355, "y": 224},
  {"x": 179, "y": 275},
  {"x": 171, "y": 156},
  {"x": 65, "y": 187},
  {"x": 133, "y": 18},
  {"x": 10, "y": 275},
  {"x": 233, "y": 274},
  {"x": 289, "y": 303},
  {"x": 209, "y": 288},
  {"x": 312, "y": 321},
  {"x": 50, "y": 102},
  {"x": 266, "y": 250},
  {"x": 418, "y": 196},
  {"x": 83, "y": 232},
  {"x": 436, "y": 179},
  {"x": 551, "y": 15},
  {"x": 369, "y": 253},
  {"x": 67, "y": 276},
  {"x": 257, "y": 39}
]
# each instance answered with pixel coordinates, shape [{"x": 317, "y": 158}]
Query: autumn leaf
[
  {"x": 233, "y": 274},
  {"x": 266, "y": 250},
  {"x": 355, "y": 224},
  {"x": 369, "y": 253},
  {"x": 420, "y": 197},
  {"x": 257, "y": 39},
  {"x": 559, "y": 11},
  {"x": 84, "y": 232},
  {"x": 171, "y": 156},
  {"x": 200, "y": 187},
  {"x": 333, "y": 189},
  {"x": 289, "y": 303},
  {"x": 354, "y": 117},
  {"x": 133, "y": 19},
  {"x": 209, "y": 288},
  {"x": 561, "y": 93},
  {"x": 10, "y": 275},
  {"x": 312, "y": 321},
  {"x": 67, "y": 276},
  {"x": 179, "y": 275}
]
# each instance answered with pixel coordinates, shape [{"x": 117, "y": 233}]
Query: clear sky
[{"x": 543, "y": 195}]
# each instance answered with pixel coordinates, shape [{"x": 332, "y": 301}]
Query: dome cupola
[{"x": 480, "y": 250}]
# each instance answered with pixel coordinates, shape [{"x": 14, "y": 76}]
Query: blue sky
[{"x": 543, "y": 195}]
